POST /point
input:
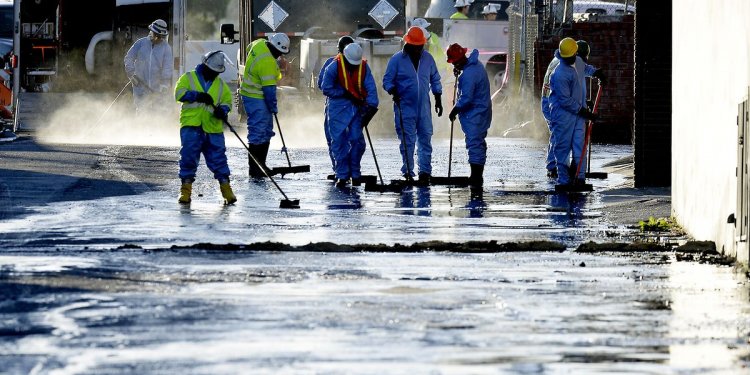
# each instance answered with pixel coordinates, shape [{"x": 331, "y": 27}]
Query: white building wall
[{"x": 709, "y": 79}]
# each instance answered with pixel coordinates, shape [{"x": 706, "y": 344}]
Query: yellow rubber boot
[
  {"x": 185, "y": 191},
  {"x": 227, "y": 193}
]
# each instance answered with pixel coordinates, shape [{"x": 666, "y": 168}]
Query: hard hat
[
  {"x": 159, "y": 27},
  {"x": 415, "y": 36},
  {"x": 490, "y": 8},
  {"x": 344, "y": 41},
  {"x": 583, "y": 49},
  {"x": 353, "y": 53},
  {"x": 455, "y": 52},
  {"x": 420, "y": 22},
  {"x": 279, "y": 41},
  {"x": 568, "y": 47},
  {"x": 214, "y": 60},
  {"x": 462, "y": 3}
]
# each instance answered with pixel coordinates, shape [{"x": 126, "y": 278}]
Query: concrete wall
[{"x": 710, "y": 78}]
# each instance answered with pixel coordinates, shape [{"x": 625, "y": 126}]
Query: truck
[
  {"x": 490, "y": 38},
  {"x": 313, "y": 28},
  {"x": 68, "y": 46}
]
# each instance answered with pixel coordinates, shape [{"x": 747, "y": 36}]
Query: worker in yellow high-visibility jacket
[
  {"x": 205, "y": 99},
  {"x": 258, "y": 91},
  {"x": 462, "y": 9}
]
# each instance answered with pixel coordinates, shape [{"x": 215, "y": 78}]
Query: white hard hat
[
  {"x": 214, "y": 60},
  {"x": 421, "y": 22},
  {"x": 490, "y": 8},
  {"x": 425, "y": 32},
  {"x": 353, "y": 53},
  {"x": 462, "y": 3},
  {"x": 279, "y": 41},
  {"x": 159, "y": 27}
]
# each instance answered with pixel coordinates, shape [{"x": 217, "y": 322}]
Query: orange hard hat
[
  {"x": 415, "y": 36},
  {"x": 455, "y": 53}
]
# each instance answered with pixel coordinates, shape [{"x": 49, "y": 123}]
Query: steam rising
[{"x": 80, "y": 118}]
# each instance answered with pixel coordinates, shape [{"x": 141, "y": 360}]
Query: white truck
[
  {"x": 491, "y": 38},
  {"x": 68, "y": 46}
]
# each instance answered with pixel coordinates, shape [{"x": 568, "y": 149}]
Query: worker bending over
[
  {"x": 258, "y": 91},
  {"x": 409, "y": 77},
  {"x": 205, "y": 99},
  {"x": 352, "y": 96},
  {"x": 473, "y": 107},
  {"x": 567, "y": 112},
  {"x": 343, "y": 42}
]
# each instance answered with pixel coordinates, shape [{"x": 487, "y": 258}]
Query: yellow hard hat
[{"x": 568, "y": 47}]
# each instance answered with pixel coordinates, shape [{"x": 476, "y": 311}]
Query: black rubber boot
[
  {"x": 424, "y": 178},
  {"x": 255, "y": 150},
  {"x": 263, "y": 154},
  {"x": 476, "y": 179}
]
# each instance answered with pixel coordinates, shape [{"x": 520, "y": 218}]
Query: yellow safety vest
[
  {"x": 261, "y": 70},
  {"x": 459, "y": 16},
  {"x": 438, "y": 53},
  {"x": 200, "y": 114}
]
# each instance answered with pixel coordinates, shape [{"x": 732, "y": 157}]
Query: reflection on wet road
[
  {"x": 70, "y": 304},
  {"x": 517, "y": 203},
  {"x": 219, "y": 312}
]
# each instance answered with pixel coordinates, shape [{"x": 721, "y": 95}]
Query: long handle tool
[
  {"x": 587, "y": 139},
  {"x": 286, "y": 202},
  {"x": 450, "y": 148},
  {"x": 111, "y": 104},
  {"x": 409, "y": 178},
  {"x": 290, "y": 169}
]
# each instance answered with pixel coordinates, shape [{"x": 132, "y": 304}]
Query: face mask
[{"x": 411, "y": 49}]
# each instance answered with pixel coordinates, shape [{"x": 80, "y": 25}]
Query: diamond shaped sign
[
  {"x": 273, "y": 15},
  {"x": 383, "y": 13}
]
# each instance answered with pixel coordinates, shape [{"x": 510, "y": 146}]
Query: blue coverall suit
[
  {"x": 325, "y": 112},
  {"x": 475, "y": 108},
  {"x": 345, "y": 121},
  {"x": 566, "y": 100},
  {"x": 413, "y": 86},
  {"x": 583, "y": 70}
]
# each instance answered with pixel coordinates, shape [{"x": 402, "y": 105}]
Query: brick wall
[{"x": 612, "y": 48}]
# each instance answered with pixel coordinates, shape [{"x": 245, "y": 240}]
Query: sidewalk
[{"x": 626, "y": 205}]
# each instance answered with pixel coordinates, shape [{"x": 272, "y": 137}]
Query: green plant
[{"x": 655, "y": 225}]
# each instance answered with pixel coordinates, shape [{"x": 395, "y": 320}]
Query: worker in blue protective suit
[
  {"x": 550, "y": 165},
  {"x": 567, "y": 108},
  {"x": 473, "y": 107},
  {"x": 409, "y": 77},
  {"x": 352, "y": 101},
  {"x": 343, "y": 42},
  {"x": 205, "y": 99},
  {"x": 583, "y": 69},
  {"x": 148, "y": 64},
  {"x": 258, "y": 92}
]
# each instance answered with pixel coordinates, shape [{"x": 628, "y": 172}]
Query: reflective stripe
[
  {"x": 250, "y": 69},
  {"x": 249, "y": 87},
  {"x": 181, "y": 92}
]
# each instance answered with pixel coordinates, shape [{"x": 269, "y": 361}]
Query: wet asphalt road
[
  {"x": 108, "y": 196},
  {"x": 72, "y": 304}
]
